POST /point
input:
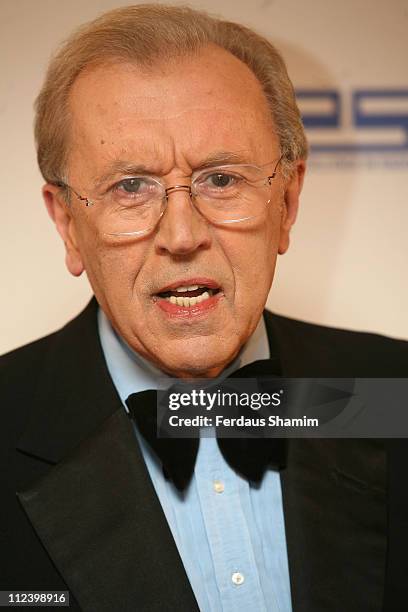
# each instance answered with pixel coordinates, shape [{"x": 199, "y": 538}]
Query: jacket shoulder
[
  {"x": 24, "y": 369},
  {"x": 307, "y": 349},
  {"x": 23, "y": 365},
  {"x": 27, "y": 360}
]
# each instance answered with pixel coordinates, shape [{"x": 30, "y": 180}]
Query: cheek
[
  {"x": 253, "y": 256},
  {"x": 112, "y": 268}
]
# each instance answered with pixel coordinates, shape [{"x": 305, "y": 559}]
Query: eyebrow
[
  {"x": 120, "y": 166},
  {"x": 223, "y": 157}
]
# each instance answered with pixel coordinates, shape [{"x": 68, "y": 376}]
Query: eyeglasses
[{"x": 226, "y": 194}]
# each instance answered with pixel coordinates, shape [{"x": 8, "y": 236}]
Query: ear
[
  {"x": 293, "y": 188},
  {"x": 60, "y": 212}
]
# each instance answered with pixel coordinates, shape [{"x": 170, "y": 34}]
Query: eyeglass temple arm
[
  {"x": 272, "y": 176},
  {"x": 63, "y": 185}
]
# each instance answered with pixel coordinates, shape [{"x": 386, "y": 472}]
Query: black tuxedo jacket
[{"x": 79, "y": 512}]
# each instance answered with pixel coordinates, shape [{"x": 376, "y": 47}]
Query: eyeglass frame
[{"x": 174, "y": 188}]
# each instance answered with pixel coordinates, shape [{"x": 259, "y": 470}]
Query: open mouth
[{"x": 187, "y": 296}]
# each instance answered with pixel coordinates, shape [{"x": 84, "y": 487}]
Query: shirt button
[
  {"x": 218, "y": 486},
  {"x": 237, "y": 578}
]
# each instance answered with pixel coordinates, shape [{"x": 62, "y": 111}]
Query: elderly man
[{"x": 174, "y": 156}]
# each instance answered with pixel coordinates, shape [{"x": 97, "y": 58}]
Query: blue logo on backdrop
[{"x": 365, "y": 121}]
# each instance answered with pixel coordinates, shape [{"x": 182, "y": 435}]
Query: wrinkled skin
[{"x": 171, "y": 119}]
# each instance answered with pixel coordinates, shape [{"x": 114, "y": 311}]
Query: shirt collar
[{"x": 132, "y": 373}]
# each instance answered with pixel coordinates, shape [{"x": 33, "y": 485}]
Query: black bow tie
[{"x": 249, "y": 457}]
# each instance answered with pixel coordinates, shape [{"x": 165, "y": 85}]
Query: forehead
[{"x": 186, "y": 108}]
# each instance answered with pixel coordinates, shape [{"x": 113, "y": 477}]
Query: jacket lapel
[
  {"x": 336, "y": 518},
  {"x": 96, "y": 511},
  {"x": 98, "y": 517},
  {"x": 335, "y": 508}
]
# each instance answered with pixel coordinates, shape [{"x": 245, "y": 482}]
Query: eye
[
  {"x": 132, "y": 185},
  {"x": 220, "y": 180},
  {"x": 137, "y": 189}
]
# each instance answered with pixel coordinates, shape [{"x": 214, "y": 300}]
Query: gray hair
[{"x": 146, "y": 34}]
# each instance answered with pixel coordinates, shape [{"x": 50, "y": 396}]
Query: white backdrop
[{"x": 347, "y": 263}]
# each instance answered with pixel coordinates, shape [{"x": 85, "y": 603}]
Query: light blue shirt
[{"x": 230, "y": 534}]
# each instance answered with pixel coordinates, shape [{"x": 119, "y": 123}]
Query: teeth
[
  {"x": 186, "y": 302},
  {"x": 190, "y": 288},
  {"x": 202, "y": 297}
]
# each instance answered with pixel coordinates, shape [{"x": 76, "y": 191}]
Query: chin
[{"x": 205, "y": 364}]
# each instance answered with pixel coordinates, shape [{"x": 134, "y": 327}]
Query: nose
[{"x": 182, "y": 230}]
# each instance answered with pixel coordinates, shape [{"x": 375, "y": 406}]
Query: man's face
[{"x": 172, "y": 120}]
